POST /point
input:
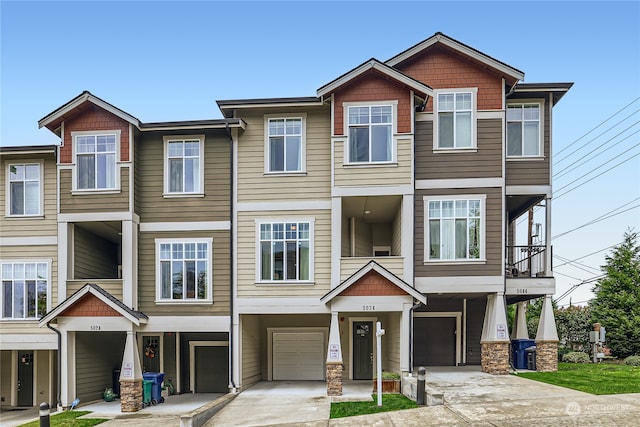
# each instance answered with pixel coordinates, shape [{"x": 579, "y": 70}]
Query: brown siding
[
  {"x": 94, "y": 257},
  {"x": 153, "y": 207},
  {"x": 493, "y": 235},
  {"x": 147, "y": 276},
  {"x": 93, "y": 201},
  {"x": 485, "y": 163}
]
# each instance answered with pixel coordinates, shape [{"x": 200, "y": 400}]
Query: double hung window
[
  {"x": 24, "y": 189},
  {"x": 285, "y": 143},
  {"x": 24, "y": 289},
  {"x": 455, "y": 115},
  {"x": 184, "y": 270},
  {"x": 184, "y": 172},
  {"x": 96, "y": 161},
  {"x": 285, "y": 251},
  {"x": 523, "y": 130},
  {"x": 370, "y": 133},
  {"x": 454, "y": 229}
]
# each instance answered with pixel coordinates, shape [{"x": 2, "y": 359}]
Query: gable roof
[
  {"x": 373, "y": 266},
  {"x": 459, "y": 47},
  {"x": 136, "y": 317},
  {"x": 382, "y": 68}
]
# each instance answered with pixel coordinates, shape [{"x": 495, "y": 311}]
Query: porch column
[
  {"x": 334, "y": 358},
  {"x": 405, "y": 326},
  {"x": 130, "y": 377},
  {"x": 520, "y": 330},
  {"x": 495, "y": 339},
  {"x": 547, "y": 238},
  {"x": 129, "y": 264},
  {"x": 547, "y": 339},
  {"x": 67, "y": 367}
]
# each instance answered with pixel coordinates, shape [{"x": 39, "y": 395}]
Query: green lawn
[
  {"x": 68, "y": 419},
  {"x": 390, "y": 402},
  {"x": 594, "y": 378}
]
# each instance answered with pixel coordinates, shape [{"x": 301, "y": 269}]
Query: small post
[
  {"x": 44, "y": 415},
  {"x": 379, "y": 334},
  {"x": 421, "y": 391}
]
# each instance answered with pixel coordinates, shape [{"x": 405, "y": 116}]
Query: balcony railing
[{"x": 526, "y": 261}]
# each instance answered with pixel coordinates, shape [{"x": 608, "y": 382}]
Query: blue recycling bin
[
  {"x": 519, "y": 353},
  {"x": 156, "y": 387}
]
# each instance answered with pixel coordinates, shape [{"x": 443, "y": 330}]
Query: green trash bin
[{"x": 146, "y": 392}]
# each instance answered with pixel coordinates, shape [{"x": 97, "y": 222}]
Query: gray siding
[
  {"x": 473, "y": 323},
  {"x": 93, "y": 202},
  {"x": 485, "y": 163},
  {"x": 169, "y": 354},
  {"x": 97, "y": 355},
  {"x": 94, "y": 257}
]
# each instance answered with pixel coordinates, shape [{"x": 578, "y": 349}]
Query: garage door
[{"x": 298, "y": 356}]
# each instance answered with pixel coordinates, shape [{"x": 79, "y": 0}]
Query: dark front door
[
  {"x": 25, "y": 378},
  {"x": 434, "y": 341},
  {"x": 151, "y": 351},
  {"x": 212, "y": 369},
  {"x": 362, "y": 350}
]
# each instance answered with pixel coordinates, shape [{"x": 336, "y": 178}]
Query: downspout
[
  {"x": 58, "y": 399},
  {"x": 231, "y": 259}
]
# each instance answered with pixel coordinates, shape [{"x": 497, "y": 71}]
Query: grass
[
  {"x": 594, "y": 378},
  {"x": 390, "y": 402},
  {"x": 69, "y": 419}
]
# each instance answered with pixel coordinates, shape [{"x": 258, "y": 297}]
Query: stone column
[
  {"x": 547, "y": 339},
  {"x": 130, "y": 377},
  {"x": 334, "y": 378},
  {"x": 130, "y": 395},
  {"x": 334, "y": 358},
  {"x": 495, "y": 338}
]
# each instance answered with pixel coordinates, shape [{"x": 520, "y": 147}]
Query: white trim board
[
  {"x": 185, "y": 226},
  {"x": 428, "y": 184},
  {"x": 284, "y": 206},
  {"x": 29, "y": 241}
]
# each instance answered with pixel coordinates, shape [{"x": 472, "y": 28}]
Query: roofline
[
  {"x": 29, "y": 149},
  {"x": 558, "y": 89},
  {"x": 193, "y": 125},
  {"x": 460, "y": 47},
  {"x": 378, "y": 66}
]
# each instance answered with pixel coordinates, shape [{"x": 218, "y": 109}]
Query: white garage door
[{"x": 298, "y": 356}]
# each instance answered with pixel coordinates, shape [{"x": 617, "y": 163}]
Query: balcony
[
  {"x": 349, "y": 265},
  {"x": 113, "y": 286},
  {"x": 526, "y": 261}
]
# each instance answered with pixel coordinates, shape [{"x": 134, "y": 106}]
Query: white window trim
[
  {"x": 165, "y": 161},
  {"x": 303, "y": 144},
  {"x": 7, "y": 193},
  {"x": 394, "y": 131},
  {"x": 49, "y": 286},
  {"x": 74, "y": 185},
  {"x": 159, "y": 300},
  {"x": 474, "y": 118},
  {"x": 541, "y": 105},
  {"x": 258, "y": 277},
  {"x": 483, "y": 231}
]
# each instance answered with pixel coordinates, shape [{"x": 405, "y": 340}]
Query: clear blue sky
[{"x": 171, "y": 60}]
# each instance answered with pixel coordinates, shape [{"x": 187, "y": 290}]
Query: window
[
  {"x": 454, "y": 120},
  {"x": 184, "y": 270},
  {"x": 96, "y": 161},
  {"x": 285, "y": 252},
  {"x": 523, "y": 130},
  {"x": 24, "y": 289},
  {"x": 455, "y": 230},
  {"x": 285, "y": 144},
  {"x": 183, "y": 169},
  {"x": 24, "y": 189},
  {"x": 370, "y": 133}
]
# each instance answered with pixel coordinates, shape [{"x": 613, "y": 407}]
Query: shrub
[
  {"x": 632, "y": 360},
  {"x": 563, "y": 351},
  {"x": 576, "y": 357}
]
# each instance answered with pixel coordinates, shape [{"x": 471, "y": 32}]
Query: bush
[
  {"x": 632, "y": 360},
  {"x": 576, "y": 357},
  {"x": 563, "y": 351}
]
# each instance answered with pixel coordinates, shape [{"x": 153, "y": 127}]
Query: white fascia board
[
  {"x": 99, "y": 216},
  {"x": 29, "y": 241},
  {"x": 459, "y": 284},
  {"x": 186, "y": 324},
  {"x": 371, "y": 304},
  {"x": 95, "y": 324},
  {"x": 280, "y": 306},
  {"x": 283, "y": 206},
  {"x": 242, "y": 125},
  {"x": 29, "y": 341},
  {"x": 390, "y": 190},
  {"x": 272, "y": 105},
  {"x": 185, "y": 226},
  {"x": 96, "y": 101},
  {"x": 429, "y": 184},
  {"x": 531, "y": 286},
  {"x": 520, "y": 190}
]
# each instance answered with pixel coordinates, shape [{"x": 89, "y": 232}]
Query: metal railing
[{"x": 526, "y": 261}]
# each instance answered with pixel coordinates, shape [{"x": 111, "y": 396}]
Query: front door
[
  {"x": 362, "y": 350},
  {"x": 151, "y": 350},
  {"x": 25, "y": 378}
]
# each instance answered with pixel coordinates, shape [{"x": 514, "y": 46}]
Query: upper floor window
[
  {"x": 285, "y": 144},
  {"x": 454, "y": 230},
  {"x": 24, "y": 289},
  {"x": 184, "y": 171},
  {"x": 455, "y": 113},
  {"x": 96, "y": 158},
  {"x": 370, "y": 133},
  {"x": 24, "y": 189},
  {"x": 285, "y": 251},
  {"x": 184, "y": 270},
  {"x": 523, "y": 130}
]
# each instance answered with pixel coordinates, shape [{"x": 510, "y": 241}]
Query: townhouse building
[{"x": 268, "y": 244}]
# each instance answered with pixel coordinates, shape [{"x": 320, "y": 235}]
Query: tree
[
  {"x": 574, "y": 324},
  {"x": 617, "y": 297}
]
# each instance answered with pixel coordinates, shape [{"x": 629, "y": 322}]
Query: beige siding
[
  {"x": 391, "y": 342},
  {"x": 348, "y": 266},
  {"x": 396, "y": 242},
  {"x": 41, "y": 226},
  {"x": 252, "y": 341},
  {"x": 42, "y": 386},
  {"x": 97, "y": 355},
  {"x": 493, "y": 242},
  {"x": 147, "y": 276},
  {"x": 255, "y": 186},
  {"x": 94, "y": 257},
  {"x": 247, "y": 244},
  {"x": 7, "y": 253},
  {"x": 374, "y": 175},
  {"x": 113, "y": 286},
  {"x": 363, "y": 238},
  {"x": 93, "y": 202},
  {"x": 485, "y": 163},
  {"x": 152, "y": 206}
]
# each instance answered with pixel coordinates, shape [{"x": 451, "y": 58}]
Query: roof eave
[{"x": 193, "y": 125}]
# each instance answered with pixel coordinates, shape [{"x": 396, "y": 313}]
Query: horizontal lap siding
[
  {"x": 94, "y": 202},
  {"x": 94, "y": 257},
  {"x": 251, "y": 344},
  {"x": 485, "y": 163},
  {"x": 247, "y": 256},
  {"x": 255, "y": 186},
  {"x": 154, "y": 207},
  {"x": 147, "y": 275},
  {"x": 97, "y": 355},
  {"x": 493, "y": 236}
]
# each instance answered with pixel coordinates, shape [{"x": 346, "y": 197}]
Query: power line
[
  {"x": 593, "y": 222},
  {"x": 577, "y": 265},
  {"x": 576, "y": 286},
  {"x": 588, "y": 255},
  {"x": 566, "y": 275}
]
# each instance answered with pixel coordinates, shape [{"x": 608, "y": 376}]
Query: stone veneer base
[
  {"x": 334, "y": 378},
  {"x": 495, "y": 357},
  {"x": 130, "y": 395},
  {"x": 547, "y": 356}
]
